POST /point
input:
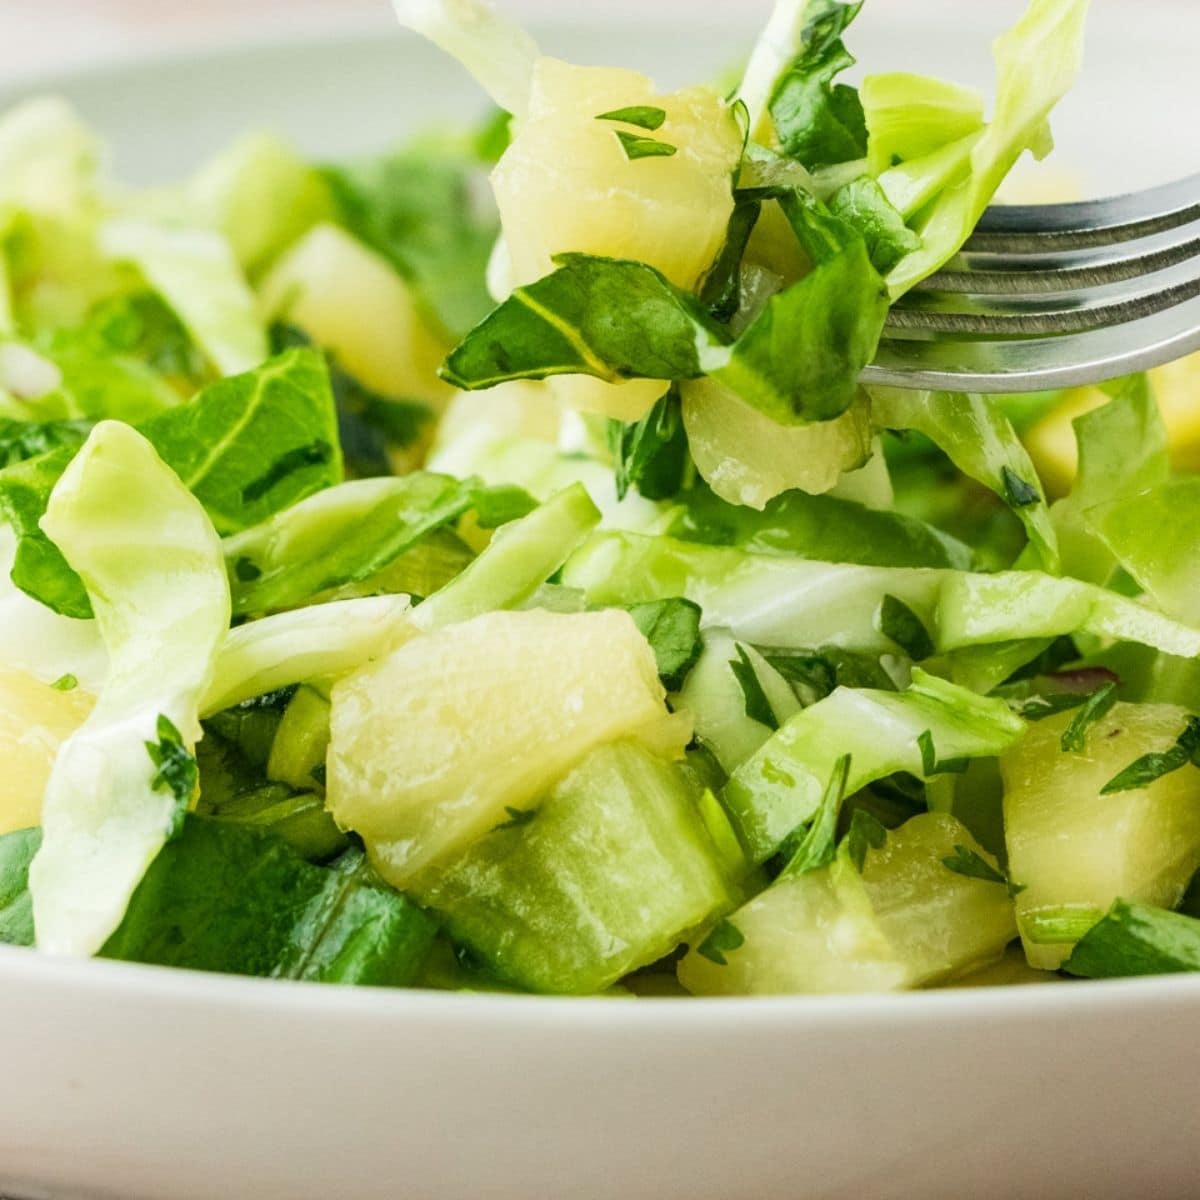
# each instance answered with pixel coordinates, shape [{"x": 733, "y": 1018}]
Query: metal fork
[{"x": 1054, "y": 295}]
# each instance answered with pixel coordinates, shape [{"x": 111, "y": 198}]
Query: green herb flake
[
  {"x": 722, "y": 939},
  {"x": 176, "y": 769},
  {"x": 1017, "y": 491},
  {"x": 644, "y": 116},
  {"x": 651, "y": 454},
  {"x": 968, "y": 862},
  {"x": 636, "y": 147},
  {"x": 1142, "y": 772},
  {"x": 897, "y": 622},
  {"x": 866, "y": 833},
  {"x": 758, "y": 707},
  {"x": 516, "y": 818},
  {"x": 672, "y": 627},
  {"x": 817, "y": 846},
  {"x": 930, "y": 763},
  {"x": 496, "y": 506},
  {"x": 65, "y": 683},
  {"x": 1094, "y": 708},
  {"x": 246, "y": 571}
]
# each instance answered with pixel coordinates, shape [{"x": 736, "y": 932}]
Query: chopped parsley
[
  {"x": 1142, "y": 772},
  {"x": 176, "y": 769},
  {"x": 866, "y": 832},
  {"x": 931, "y": 764},
  {"x": 722, "y": 939},
  {"x": 1095, "y": 707},
  {"x": 65, "y": 683},
  {"x": 758, "y": 707},
  {"x": 1020, "y": 493},
  {"x": 968, "y": 862},
  {"x": 516, "y": 818},
  {"x": 644, "y": 116},
  {"x": 816, "y": 848},
  {"x": 636, "y": 146}
]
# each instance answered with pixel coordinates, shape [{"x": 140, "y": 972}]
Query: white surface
[{"x": 136, "y": 1083}]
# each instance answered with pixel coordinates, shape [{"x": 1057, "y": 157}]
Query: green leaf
[
  {"x": 722, "y": 939},
  {"x": 1136, "y": 939},
  {"x": 820, "y": 122},
  {"x": 651, "y": 454},
  {"x": 175, "y": 769},
  {"x": 17, "y": 851},
  {"x": 1142, "y": 772},
  {"x": 605, "y": 317},
  {"x": 420, "y": 209},
  {"x": 968, "y": 862},
  {"x": 636, "y": 147},
  {"x": 140, "y": 325},
  {"x": 65, "y": 683},
  {"x": 516, "y": 818},
  {"x": 672, "y": 627},
  {"x": 21, "y": 440},
  {"x": 931, "y": 765},
  {"x": 897, "y": 622},
  {"x": 341, "y": 536},
  {"x": 1017, "y": 491},
  {"x": 911, "y": 116},
  {"x": 817, "y": 847},
  {"x": 721, "y": 289},
  {"x": 253, "y": 444},
  {"x": 861, "y": 203},
  {"x": 371, "y": 427},
  {"x": 1094, "y": 707},
  {"x": 644, "y": 116},
  {"x": 758, "y": 707},
  {"x": 500, "y": 504},
  {"x": 866, "y": 833}
]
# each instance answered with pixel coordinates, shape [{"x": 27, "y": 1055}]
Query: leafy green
[
  {"x": 1094, "y": 707},
  {"x": 819, "y": 843},
  {"x": 817, "y": 527},
  {"x": 644, "y": 116},
  {"x": 1136, "y": 939},
  {"x": 419, "y": 209},
  {"x": 16, "y": 907},
  {"x": 340, "y": 536},
  {"x": 981, "y": 443},
  {"x": 866, "y": 833},
  {"x": 1143, "y": 771},
  {"x": 651, "y": 454},
  {"x": 819, "y": 122},
  {"x": 20, "y": 440},
  {"x": 931, "y": 764},
  {"x": 253, "y": 444},
  {"x": 722, "y": 939},
  {"x": 968, "y": 862},
  {"x": 636, "y": 147},
  {"x": 672, "y": 627},
  {"x": 862, "y": 203},
  {"x": 65, "y": 683},
  {"x": 911, "y": 116},
  {"x": 140, "y": 325},
  {"x": 721, "y": 288},
  {"x": 898, "y": 623},
  {"x": 1036, "y": 61},
  {"x": 151, "y": 562},
  {"x": 758, "y": 707},
  {"x": 175, "y": 769}
]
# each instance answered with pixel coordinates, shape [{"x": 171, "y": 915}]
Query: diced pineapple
[
  {"x": 1073, "y": 848},
  {"x": 939, "y": 922},
  {"x": 354, "y": 304},
  {"x": 433, "y": 743},
  {"x": 746, "y": 458},
  {"x": 567, "y": 184},
  {"x": 35, "y": 719},
  {"x": 907, "y": 921}
]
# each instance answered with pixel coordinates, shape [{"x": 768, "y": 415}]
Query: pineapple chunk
[
  {"x": 746, "y": 458},
  {"x": 354, "y": 304},
  {"x": 567, "y": 184},
  {"x": 432, "y": 744},
  {"x": 1072, "y": 847},
  {"x": 35, "y": 719}
]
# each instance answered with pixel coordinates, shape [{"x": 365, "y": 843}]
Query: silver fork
[{"x": 1054, "y": 295}]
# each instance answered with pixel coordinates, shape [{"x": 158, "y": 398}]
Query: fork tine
[
  {"x": 1039, "y": 364},
  {"x": 1018, "y": 228}
]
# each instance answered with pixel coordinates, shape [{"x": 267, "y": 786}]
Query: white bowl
[{"x": 139, "y": 1082}]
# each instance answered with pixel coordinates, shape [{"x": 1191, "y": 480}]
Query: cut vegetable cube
[
  {"x": 604, "y": 875},
  {"x": 432, "y": 744},
  {"x": 1075, "y": 849}
]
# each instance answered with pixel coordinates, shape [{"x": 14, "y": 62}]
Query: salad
[{"x": 406, "y": 583}]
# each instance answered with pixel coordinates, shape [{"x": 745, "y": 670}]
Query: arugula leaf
[
  {"x": 1142, "y": 772},
  {"x": 862, "y": 203},
  {"x": 897, "y": 622},
  {"x": 1136, "y": 939},
  {"x": 672, "y": 627},
  {"x": 819, "y": 843},
  {"x": 968, "y": 862},
  {"x": 1094, "y": 708},
  {"x": 253, "y": 444},
  {"x": 175, "y": 769},
  {"x": 39, "y": 568},
  {"x": 636, "y": 147},
  {"x": 651, "y": 454},
  {"x": 758, "y": 707},
  {"x": 819, "y": 122},
  {"x": 644, "y": 116},
  {"x": 370, "y": 426},
  {"x": 866, "y": 833},
  {"x": 724, "y": 938},
  {"x": 340, "y": 536},
  {"x": 21, "y": 440},
  {"x": 419, "y": 208}
]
